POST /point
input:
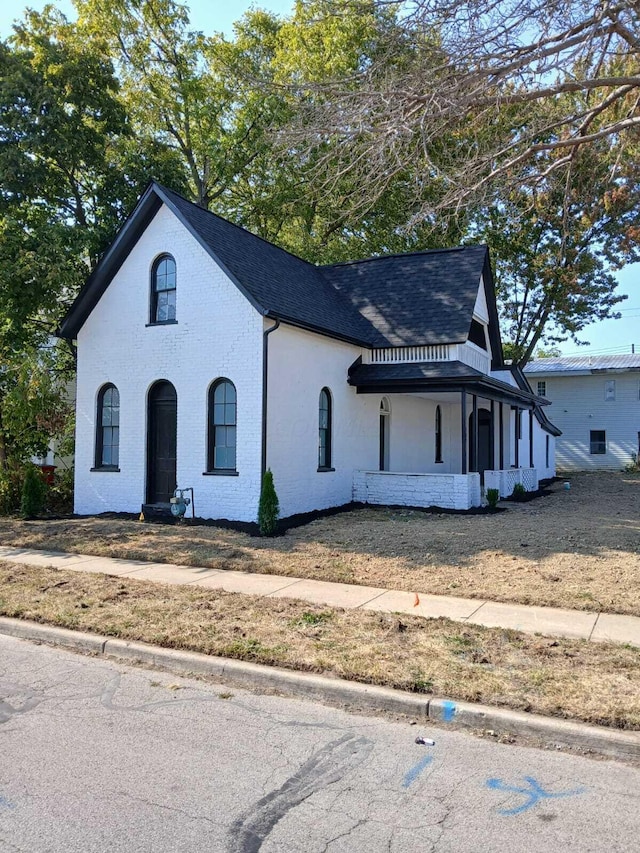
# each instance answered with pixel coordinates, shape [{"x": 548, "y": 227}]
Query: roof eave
[{"x": 109, "y": 264}]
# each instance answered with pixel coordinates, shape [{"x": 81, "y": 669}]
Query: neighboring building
[
  {"x": 206, "y": 354},
  {"x": 596, "y": 404}
]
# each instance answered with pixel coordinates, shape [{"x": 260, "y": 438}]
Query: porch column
[
  {"x": 501, "y": 447},
  {"x": 474, "y": 401},
  {"x": 463, "y": 410},
  {"x": 517, "y": 445},
  {"x": 530, "y": 438},
  {"x": 492, "y": 455}
]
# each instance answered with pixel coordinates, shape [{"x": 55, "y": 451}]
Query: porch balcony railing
[
  {"x": 467, "y": 353},
  {"x": 404, "y": 355}
]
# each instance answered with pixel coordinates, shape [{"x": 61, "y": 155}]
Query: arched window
[
  {"x": 163, "y": 290},
  {"x": 221, "y": 454},
  {"x": 108, "y": 427},
  {"x": 438, "y": 434},
  {"x": 324, "y": 430}
]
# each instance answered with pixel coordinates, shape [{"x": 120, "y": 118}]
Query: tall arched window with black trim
[
  {"x": 163, "y": 290},
  {"x": 221, "y": 455},
  {"x": 324, "y": 430},
  {"x": 108, "y": 427},
  {"x": 438, "y": 434}
]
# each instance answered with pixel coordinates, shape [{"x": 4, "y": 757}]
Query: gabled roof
[
  {"x": 415, "y": 299},
  {"x": 583, "y": 364}
]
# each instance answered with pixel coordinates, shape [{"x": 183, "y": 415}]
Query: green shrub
[
  {"x": 269, "y": 507},
  {"x": 60, "y": 494},
  {"x": 10, "y": 490},
  {"x": 493, "y": 496},
  {"x": 518, "y": 492},
  {"x": 34, "y": 493}
]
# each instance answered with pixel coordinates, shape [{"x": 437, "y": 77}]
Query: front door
[
  {"x": 485, "y": 438},
  {"x": 161, "y": 442}
]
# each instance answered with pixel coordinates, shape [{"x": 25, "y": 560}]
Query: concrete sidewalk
[{"x": 598, "y": 627}]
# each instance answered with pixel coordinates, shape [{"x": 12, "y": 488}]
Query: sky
[{"x": 606, "y": 337}]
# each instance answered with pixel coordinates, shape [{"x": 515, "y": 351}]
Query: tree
[
  {"x": 555, "y": 248},
  {"x": 63, "y": 145},
  {"x": 489, "y": 77}
]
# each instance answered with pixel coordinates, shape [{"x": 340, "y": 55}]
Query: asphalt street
[{"x": 98, "y": 756}]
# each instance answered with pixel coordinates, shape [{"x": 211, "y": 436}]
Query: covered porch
[{"x": 447, "y": 432}]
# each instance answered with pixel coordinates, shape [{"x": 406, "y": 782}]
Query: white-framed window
[
  {"x": 542, "y": 389},
  {"x": 597, "y": 442},
  {"x": 609, "y": 389}
]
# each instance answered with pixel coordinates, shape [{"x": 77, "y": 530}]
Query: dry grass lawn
[
  {"x": 578, "y": 549},
  {"x": 598, "y": 683}
]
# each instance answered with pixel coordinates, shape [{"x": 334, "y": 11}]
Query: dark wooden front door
[
  {"x": 161, "y": 442},
  {"x": 485, "y": 439}
]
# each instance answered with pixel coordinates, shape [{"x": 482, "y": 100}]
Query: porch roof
[{"x": 418, "y": 377}]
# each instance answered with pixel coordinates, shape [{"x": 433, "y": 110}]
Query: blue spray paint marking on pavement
[
  {"x": 533, "y": 794},
  {"x": 416, "y": 770},
  {"x": 448, "y": 711},
  {"x": 6, "y": 804}
]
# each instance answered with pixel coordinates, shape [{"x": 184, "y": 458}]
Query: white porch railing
[
  {"x": 449, "y": 491},
  {"x": 504, "y": 481},
  {"x": 401, "y": 355}
]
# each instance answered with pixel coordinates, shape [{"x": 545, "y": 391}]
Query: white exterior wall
[
  {"x": 449, "y": 491},
  {"x": 578, "y": 407},
  {"x": 300, "y": 365},
  {"x": 413, "y": 435},
  {"x": 218, "y": 333}
]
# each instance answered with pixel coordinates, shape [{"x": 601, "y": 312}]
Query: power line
[{"x": 622, "y": 350}]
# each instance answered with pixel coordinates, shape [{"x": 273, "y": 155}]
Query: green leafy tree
[{"x": 556, "y": 249}]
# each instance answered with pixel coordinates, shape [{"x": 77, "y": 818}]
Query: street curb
[{"x": 624, "y": 745}]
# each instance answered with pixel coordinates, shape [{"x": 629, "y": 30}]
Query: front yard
[
  {"x": 595, "y": 682},
  {"x": 578, "y": 548}
]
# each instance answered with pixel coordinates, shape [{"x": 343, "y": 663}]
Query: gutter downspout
[{"x": 265, "y": 377}]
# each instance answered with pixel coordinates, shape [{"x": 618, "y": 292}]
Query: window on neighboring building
[
  {"x": 438, "y": 434},
  {"x": 610, "y": 389},
  {"x": 542, "y": 389},
  {"x": 221, "y": 454},
  {"x": 597, "y": 441},
  {"x": 163, "y": 290},
  {"x": 108, "y": 427},
  {"x": 324, "y": 430}
]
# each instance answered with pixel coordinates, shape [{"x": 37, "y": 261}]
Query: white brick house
[
  {"x": 206, "y": 354},
  {"x": 596, "y": 404}
]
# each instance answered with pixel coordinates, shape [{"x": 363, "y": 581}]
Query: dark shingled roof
[
  {"x": 365, "y": 374},
  {"x": 436, "y": 375},
  {"x": 280, "y": 283},
  {"x": 415, "y": 299}
]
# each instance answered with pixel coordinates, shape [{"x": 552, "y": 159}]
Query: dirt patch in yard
[
  {"x": 578, "y": 548},
  {"x": 598, "y": 683}
]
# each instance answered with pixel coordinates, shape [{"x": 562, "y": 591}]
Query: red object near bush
[{"x": 48, "y": 473}]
